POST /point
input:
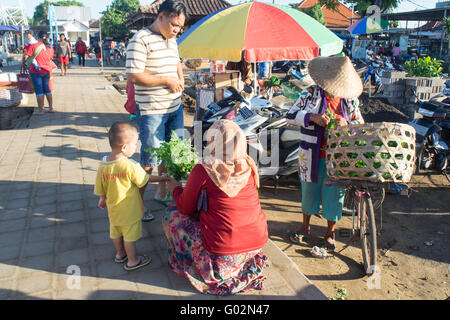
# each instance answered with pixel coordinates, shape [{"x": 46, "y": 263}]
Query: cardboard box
[{"x": 222, "y": 80}]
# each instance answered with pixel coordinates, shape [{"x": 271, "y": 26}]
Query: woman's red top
[{"x": 230, "y": 225}]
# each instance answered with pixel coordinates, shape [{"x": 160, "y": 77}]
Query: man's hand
[
  {"x": 102, "y": 202},
  {"x": 174, "y": 84},
  {"x": 172, "y": 184},
  {"x": 340, "y": 122},
  {"x": 320, "y": 119}
]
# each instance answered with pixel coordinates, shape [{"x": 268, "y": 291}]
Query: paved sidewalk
[{"x": 50, "y": 226}]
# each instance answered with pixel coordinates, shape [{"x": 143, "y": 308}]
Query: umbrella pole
[{"x": 255, "y": 76}]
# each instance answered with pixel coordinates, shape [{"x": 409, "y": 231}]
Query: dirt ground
[
  {"x": 413, "y": 254},
  {"x": 409, "y": 268}
]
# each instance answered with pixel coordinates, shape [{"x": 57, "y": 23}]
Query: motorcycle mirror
[
  {"x": 248, "y": 89},
  {"x": 227, "y": 93},
  {"x": 413, "y": 92}
]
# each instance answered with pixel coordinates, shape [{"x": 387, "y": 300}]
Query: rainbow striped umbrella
[
  {"x": 265, "y": 32},
  {"x": 368, "y": 25}
]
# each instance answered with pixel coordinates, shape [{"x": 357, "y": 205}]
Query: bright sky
[{"x": 98, "y": 6}]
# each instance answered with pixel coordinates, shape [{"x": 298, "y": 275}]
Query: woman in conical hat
[{"x": 336, "y": 90}]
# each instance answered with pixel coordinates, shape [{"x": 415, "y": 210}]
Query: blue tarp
[
  {"x": 343, "y": 36},
  {"x": 12, "y": 28}
]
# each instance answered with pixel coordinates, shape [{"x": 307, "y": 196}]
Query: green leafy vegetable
[
  {"x": 369, "y": 155},
  {"x": 392, "y": 144},
  {"x": 332, "y": 123},
  {"x": 377, "y": 143},
  {"x": 377, "y": 165},
  {"x": 178, "y": 157},
  {"x": 360, "y": 164}
]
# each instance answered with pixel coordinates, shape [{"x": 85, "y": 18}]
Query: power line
[{"x": 417, "y": 4}]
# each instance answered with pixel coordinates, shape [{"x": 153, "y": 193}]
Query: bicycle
[{"x": 359, "y": 195}]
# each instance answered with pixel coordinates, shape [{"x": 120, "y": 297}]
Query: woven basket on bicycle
[{"x": 377, "y": 152}]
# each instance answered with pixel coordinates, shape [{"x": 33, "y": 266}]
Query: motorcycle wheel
[
  {"x": 377, "y": 88},
  {"x": 366, "y": 82},
  {"x": 424, "y": 160}
]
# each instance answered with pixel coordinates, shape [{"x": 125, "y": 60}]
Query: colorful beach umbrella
[
  {"x": 265, "y": 32},
  {"x": 368, "y": 25}
]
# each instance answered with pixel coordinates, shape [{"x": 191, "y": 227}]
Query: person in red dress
[{"x": 217, "y": 230}]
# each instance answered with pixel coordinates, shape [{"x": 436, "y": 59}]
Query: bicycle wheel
[
  {"x": 368, "y": 234},
  {"x": 377, "y": 195}
]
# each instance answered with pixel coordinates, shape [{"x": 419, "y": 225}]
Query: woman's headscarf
[{"x": 226, "y": 159}]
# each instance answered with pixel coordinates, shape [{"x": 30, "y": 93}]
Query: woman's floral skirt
[{"x": 209, "y": 273}]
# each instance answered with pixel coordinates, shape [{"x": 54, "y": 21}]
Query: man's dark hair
[
  {"x": 30, "y": 32},
  {"x": 173, "y": 8},
  {"x": 42, "y": 35},
  {"x": 118, "y": 132}
]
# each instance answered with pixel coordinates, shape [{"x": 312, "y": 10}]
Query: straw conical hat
[{"x": 336, "y": 75}]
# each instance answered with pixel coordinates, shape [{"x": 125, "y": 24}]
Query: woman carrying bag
[
  {"x": 41, "y": 73},
  {"x": 217, "y": 230}
]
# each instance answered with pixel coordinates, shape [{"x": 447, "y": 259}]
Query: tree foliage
[
  {"x": 115, "y": 16},
  {"x": 316, "y": 13},
  {"x": 40, "y": 15}
]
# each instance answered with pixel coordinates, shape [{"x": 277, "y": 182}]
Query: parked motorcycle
[
  {"x": 261, "y": 122},
  {"x": 432, "y": 135},
  {"x": 375, "y": 70}
]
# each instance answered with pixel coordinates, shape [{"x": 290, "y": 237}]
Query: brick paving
[{"x": 50, "y": 223}]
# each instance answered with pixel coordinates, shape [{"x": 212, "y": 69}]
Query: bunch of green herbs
[{"x": 178, "y": 157}]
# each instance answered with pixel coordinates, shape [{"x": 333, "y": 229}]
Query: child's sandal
[{"x": 148, "y": 216}]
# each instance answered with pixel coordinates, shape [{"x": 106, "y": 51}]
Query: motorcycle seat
[{"x": 289, "y": 137}]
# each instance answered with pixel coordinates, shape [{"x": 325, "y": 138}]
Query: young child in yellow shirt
[{"x": 118, "y": 182}]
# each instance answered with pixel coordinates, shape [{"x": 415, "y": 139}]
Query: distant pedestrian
[
  {"x": 117, "y": 183},
  {"x": 81, "y": 50},
  {"x": 42, "y": 52},
  {"x": 396, "y": 53},
  {"x": 106, "y": 52},
  {"x": 64, "y": 53},
  {"x": 98, "y": 53}
]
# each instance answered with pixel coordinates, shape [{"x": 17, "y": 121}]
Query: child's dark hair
[{"x": 118, "y": 132}]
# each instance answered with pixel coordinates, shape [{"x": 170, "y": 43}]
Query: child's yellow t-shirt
[{"x": 119, "y": 181}]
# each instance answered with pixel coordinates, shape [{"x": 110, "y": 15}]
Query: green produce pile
[{"x": 178, "y": 156}]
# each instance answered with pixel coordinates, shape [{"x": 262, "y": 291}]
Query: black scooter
[
  {"x": 432, "y": 135},
  {"x": 272, "y": 142}
]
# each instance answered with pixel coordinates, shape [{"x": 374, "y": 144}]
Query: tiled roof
[
  {"x": 195, "y": 7},
  {"x": 431, "y": 26},
  {"x": 334, "y": 19}
]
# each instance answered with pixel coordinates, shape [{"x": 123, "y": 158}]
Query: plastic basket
[
  {"x": 10, "y": 97},
  {"x": 377, "y": 152}
]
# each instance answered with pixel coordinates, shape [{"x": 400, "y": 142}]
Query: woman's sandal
[
  {"x": 165, "y": 203},
  {"x": 148, "y": 216},
  {"x": 329, "y": 247},
  {"x": 122, "y": 260},
  {"x": 297, "y": 238},
  {"x": 143, "y": 261}
]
